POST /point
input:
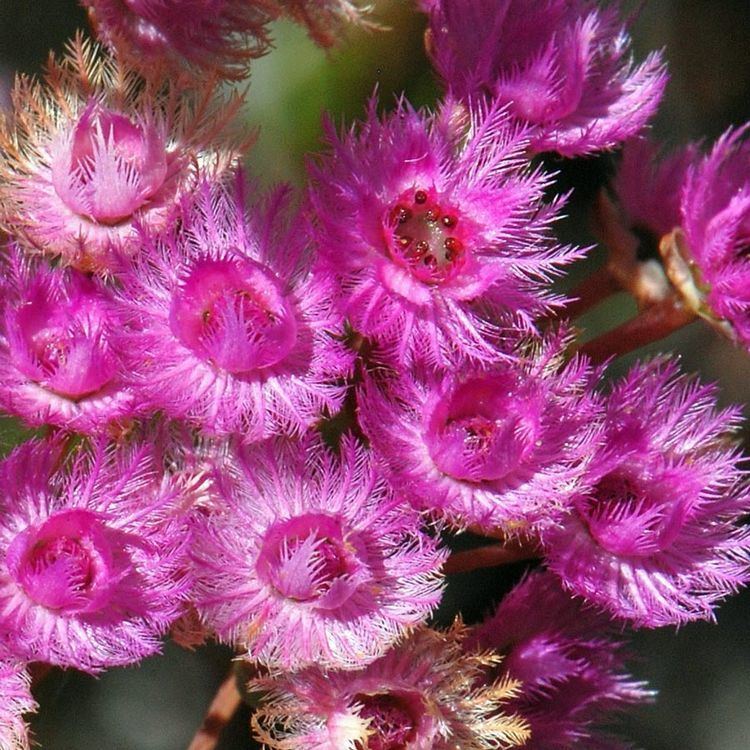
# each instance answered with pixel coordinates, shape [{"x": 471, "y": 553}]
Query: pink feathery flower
[
  {"x": 715, "y": 238},
  {"x": 58, "y": 359},
  {"x": 310, "y": 559},
  {"x": 562, "y": 66},
  {"x": 569, "y": 660},
  {"x": 229, "y": 328},
  {"x": 15, "y": 701},
  {"x": 656, "y": 539},
  {"x": 436, "y": 229},
  {"x": 92, "y": 554},
  {"x": 194, "y": 36},
  {"x": 505, "y": 444},
  {"x": 93, "y": 148},
  {"x": 649, "y": 187},
  {"x": 427, "y": 692}
]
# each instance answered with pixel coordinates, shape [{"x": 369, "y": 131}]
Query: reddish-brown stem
[
  {"x": 645, "y": 281},
  {"x": 490, "y": 556},
  {"x": 222, "y": 708},
  {"x": 654, "y": 323},
  {"x": 590, "y": 292}
]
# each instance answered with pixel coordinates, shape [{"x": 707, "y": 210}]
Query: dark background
[{"x": 702, "y": 672}]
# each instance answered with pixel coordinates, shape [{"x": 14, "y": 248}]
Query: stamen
[{"x": 420, "y": 238}]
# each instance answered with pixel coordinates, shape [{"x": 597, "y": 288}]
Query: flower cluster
[{"x": 265, "y": 414}]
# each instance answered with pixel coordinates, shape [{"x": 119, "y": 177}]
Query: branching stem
[
  {"x": 652, "y": 324},
  {"x": 490, "y": 556},
  {"x": 222, "y": 708}
]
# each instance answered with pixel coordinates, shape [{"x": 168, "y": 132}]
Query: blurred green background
[{"x": 703, "y": 671}]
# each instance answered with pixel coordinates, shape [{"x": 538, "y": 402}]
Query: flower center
[
  {"x": 233, "y": 314},
  {"x": 630, "y": 516},
  {"x": 423, "y": 236},
  {"x": 484, "y": 429},
  {"x": 109, "y": 166},
  {"x": 306, "y": 559},
  {"x": 394, "y": 720},
  {"x": 60, "y": 341},
  {"x": 63, "y": 564}
]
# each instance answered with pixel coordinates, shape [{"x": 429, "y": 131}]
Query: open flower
[
  {"x": 504, "y": 444},
  {"x": 91, "y": 555},
  {"x": 563, "y": 67},
  {"x": 425, "y": 693},
  {"x": 94, "y": 148},
  {"x": 655, "y": 539},
  {"x": 229, "y": 328},
  {"x": 184, "y": 35},
  {"x": 312, "y": 560},
  {"x": 570, "y": 661},
  {"x": 58, "y": 357},
  {"x": 436, "y": 231},
  {"x": 15, "y": 701}
]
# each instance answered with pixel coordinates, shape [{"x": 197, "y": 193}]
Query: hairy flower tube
[
  {"x": 501, "y": 445},
  {"x": 715, "y": 237},
  {"x": 427, "y": 693},
  {"x": 15, "y": 701},
  {"x": 92, "y": 567},
  {"x": 59, "y": 363},
  {"x": 184, "y": 35},
  {"x": 94, "y": 148},
  {"x": 569, "y": 660},
  {"x": 436, "y": 230},
  {"x": 309, "y": 559},
  {"x": 229, "y": 329},
  {"x": 656, "y": 539},
  {"x": 563, "y": 67}
]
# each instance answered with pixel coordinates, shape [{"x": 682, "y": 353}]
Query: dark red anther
[
  {"x": 430, "y": 260},
  {"x": 452, "y": 248},
  {"x": 422, "y": 247},
  {"x": 400, "y": 214},
  {"x": 420, "y": 197},
  {"x": 449, "y": 221},
  {"x": 432, "y": 214}
]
